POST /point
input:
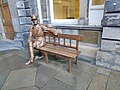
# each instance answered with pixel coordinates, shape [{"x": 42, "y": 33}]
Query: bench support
[
  {"x": 76, "y": 60},
  {"x": 46, "y": 57},
  {"x": 69, "y": 64}
]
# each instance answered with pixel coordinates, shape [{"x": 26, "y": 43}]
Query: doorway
[{"x": 6, "y": 19}]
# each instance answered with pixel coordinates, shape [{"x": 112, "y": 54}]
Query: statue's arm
[{"x": 49, "y": 29}]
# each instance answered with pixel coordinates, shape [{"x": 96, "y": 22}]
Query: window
[
  {"x": 66, "y": 9},
  {"x": 4, "y": 1},
  {"x": 97, "y": 2}
]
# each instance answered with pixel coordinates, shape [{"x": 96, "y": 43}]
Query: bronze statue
[{"x": 36, "y": 36}]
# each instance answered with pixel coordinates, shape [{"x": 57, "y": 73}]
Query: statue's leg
[{"x": 31, "y": 53}]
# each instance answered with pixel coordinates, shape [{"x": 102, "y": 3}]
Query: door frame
[
  {"x": 1, "y": 24},
  {"x": 39, "y": 11},
  {"x": 3, "y": 19},
  {"x": 95, "y": 13}
]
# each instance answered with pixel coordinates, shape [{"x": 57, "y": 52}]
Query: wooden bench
[{"x": 58, "y": 46}]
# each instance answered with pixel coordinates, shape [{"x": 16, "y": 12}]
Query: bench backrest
[{"x": 65, "y": 40}]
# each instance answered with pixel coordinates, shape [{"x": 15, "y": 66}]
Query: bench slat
[
  {"x": 59, "y": 51},
  {"x": 70, "y": 50}
]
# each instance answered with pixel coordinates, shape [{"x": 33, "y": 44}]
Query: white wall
[{"x": 95, "y": 14}]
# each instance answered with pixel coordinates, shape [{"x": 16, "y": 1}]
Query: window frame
[{"x": 61, "y": 21}]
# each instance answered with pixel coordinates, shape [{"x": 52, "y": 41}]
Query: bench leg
[
  {"x": 76, "y": 60},
  {"x": 46, "y": 57},
  {"x": 69, "y": 65}
]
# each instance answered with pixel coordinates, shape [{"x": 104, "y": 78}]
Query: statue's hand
[{"x": 55, "y": 33}]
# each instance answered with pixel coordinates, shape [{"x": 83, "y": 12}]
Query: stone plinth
[{"x": 109, "y": 60}]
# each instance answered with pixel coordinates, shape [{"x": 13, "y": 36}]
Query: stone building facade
[
  {"x": 109, "y": 54},
  {"x": 21, "y": 12}
]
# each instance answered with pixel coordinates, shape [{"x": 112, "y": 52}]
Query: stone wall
[
  {"x": 21, "y": 11},
  {"x": 109, "y": 55}
]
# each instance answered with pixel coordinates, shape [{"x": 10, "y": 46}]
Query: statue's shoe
[{"x": 29, "y": 62}]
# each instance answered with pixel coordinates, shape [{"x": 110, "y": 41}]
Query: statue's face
[{"x": 35, "y": 21}]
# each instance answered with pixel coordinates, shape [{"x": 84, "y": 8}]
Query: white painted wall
[
  {"x": 39, "y": 11},
  {"x": 95, "y": 14}
]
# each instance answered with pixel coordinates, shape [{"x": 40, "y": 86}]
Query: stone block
[
  {"x": 108, "y": 60},
  {"x": 18, "y": 35},
  {"x": 106, "y": 57},
  {"x": 109, "y": 45},
  {"x": 25, "y": 20},
  {"x": 116, "y": 67},
  {"x": 103, "y": 64},
  {"x": 15, "y": 22},
  {"x": 20, "y": 4},
  {"x": 23, "y": 4},
  {"x": 24, "y": 12},
  {"x": 112, "y": 6},
  {"x": 27, "y": 4},
  {"x": 25, "y": 28},
  {"x": 111, "y": 19},
  {"x": 25, "y": 37},
  {"x": 117, "y": 59},
  {"x": 19, "y": 43},
  {"x": 111, "y": 33}
]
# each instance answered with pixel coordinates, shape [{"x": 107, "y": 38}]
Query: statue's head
[{"x": 34, "y": 19}]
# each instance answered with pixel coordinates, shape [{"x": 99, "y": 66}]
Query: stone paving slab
[
  {"x": 66, "y": 77},
  {"x": 114, "y": 81},
  {"x": 20, "y": 78},
  {"x": 57, "y": 85},
  {"x": 52, "y": 64},
  {"x": 6, "y": 54},
  {"x": 3, "y": 65},
  {"x": 84, "y": 74},
  {"x": 44, "y": 74},
  {"x": 12, "y": 62},
  {"x": 27, "y": 88},
  {"x": 3, "y": 77},
  {"x": 103, "y": 71},
  {"x": 99, "y": 82}
]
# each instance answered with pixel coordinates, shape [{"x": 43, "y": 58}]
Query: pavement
[
  {"x": 6, "y": 44},
  {"x": 14, "y": 75}
]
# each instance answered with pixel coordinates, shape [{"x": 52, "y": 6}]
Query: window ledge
[{"x": 97, "y": 7}]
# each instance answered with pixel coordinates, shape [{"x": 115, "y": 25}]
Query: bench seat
[{"x": 59, "y": 50}]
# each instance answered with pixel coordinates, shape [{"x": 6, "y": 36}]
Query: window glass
[
  {"x": 4, "y": 1},
  {"x": 66, "y": 9},
  {"x": 97, "y": 2}
]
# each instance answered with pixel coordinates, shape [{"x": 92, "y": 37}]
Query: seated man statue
[{"x": 36, "y": 36}]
